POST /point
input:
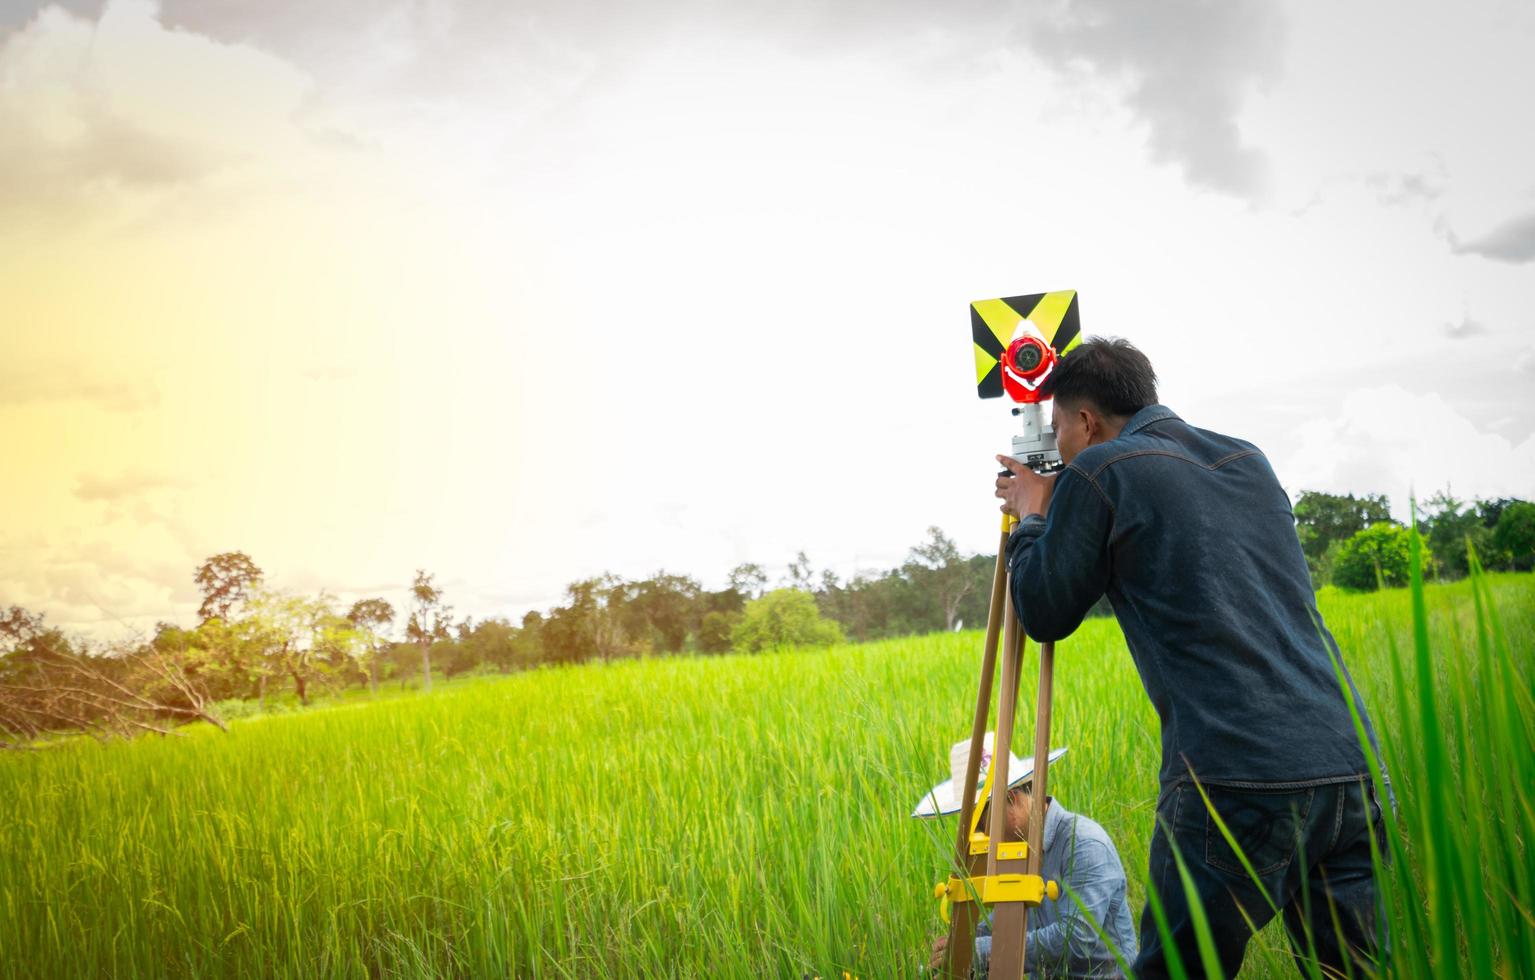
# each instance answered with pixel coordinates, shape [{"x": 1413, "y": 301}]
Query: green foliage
[
  {"x": 714, "y": 632},
  {"x": 658, "y": 612},
  {"x": 747, "y": 580},
  {"x": 371, "y": 618},
  {"x": 493, "y": 642},
  {"x": 296, "y": 638},
  {"x": 1515, "y": 534},
  {"x": 1324, "y": 520},
  {"x": 936, "y": 568},
  {"x": 1491, "y": 511},
  {"x": 783, "y": 618},
  {"x": 25, "y": 642},
  {"x": 873, "y": 607},
  {"x": 1378, "y": 555},
  {"x": 1452, "y": 528}
]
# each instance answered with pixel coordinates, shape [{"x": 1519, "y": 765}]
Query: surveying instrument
[{"x": 1018, "y": 341}]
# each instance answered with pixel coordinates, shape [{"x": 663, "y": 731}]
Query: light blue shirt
[{"x": 1062, "y": 942}]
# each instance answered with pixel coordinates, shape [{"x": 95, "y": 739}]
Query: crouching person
[{"x": 1066, "y": 935}]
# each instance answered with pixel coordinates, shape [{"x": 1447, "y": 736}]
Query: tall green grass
[
  {"x": 1461, "y": 887},
  {"x": 720, "y": 817}
]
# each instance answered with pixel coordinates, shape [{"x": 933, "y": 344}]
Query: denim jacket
[
  {"x": 1192, "y": 538},
  {"x": 1062, "y": 942}
]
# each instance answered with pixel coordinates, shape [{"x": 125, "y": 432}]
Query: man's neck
[{"x": 1111, "y": 429}]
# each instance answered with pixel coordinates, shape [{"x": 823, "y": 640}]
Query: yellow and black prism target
[{"x": 992, "y": 322}]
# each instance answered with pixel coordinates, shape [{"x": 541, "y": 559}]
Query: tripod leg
[
  {"x": 1041, "y": 758},
  {"x": 1009, "y": 920},
  {"x": 965, "y": 915}
]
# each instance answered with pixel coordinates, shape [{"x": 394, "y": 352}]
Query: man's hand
[
  {"x": 1023, "y": 491},
  {"x": 939, "y": 945}
]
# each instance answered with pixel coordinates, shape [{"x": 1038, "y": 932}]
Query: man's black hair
[{"x": 1108, "y": 373}]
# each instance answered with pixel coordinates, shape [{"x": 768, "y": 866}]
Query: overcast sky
[{"x": 524, "y": 292}]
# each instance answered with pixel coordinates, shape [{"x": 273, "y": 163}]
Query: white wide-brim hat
[{"x": 944, "y": 798}]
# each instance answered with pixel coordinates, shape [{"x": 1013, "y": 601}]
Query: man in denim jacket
[{"x": 1192, "y": 539}]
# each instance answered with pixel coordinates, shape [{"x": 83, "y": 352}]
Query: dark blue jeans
[{"x": 1310, "y": 847}]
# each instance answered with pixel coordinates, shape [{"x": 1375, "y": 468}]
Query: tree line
[
  {"x": 1354, "y": 543},
  {"x": 253, "y": 642}
]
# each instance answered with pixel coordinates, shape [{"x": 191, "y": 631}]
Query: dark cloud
[
  {"x": 1467, "y": 327},
  {"x": 16, "y": 13},
  {"x": 109, "y": 154},
  {"x": 1511, "y": 241},
  {"x": 42, "y": 164},
  {"x": 1189, "y": 64},
  {"x": 84, "y": 123}
]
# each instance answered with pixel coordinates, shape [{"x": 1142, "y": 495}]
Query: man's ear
[{"x": 1092, "y": 423}]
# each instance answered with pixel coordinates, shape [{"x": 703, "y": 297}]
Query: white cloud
[
  {"x": 1398, "y": 442},
  {"x": 30, "y": 380},
  {"x": 124, "y": 487}
]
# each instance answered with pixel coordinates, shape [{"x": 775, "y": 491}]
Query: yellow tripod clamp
[{"x": 1029, "y": 889}]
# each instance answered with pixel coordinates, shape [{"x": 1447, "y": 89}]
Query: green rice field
[{"x": 735, "y": 816}]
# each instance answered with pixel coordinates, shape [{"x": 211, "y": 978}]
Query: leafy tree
[
  {"x": 215, "y": 654},
  {"x": 1323, "y": 518},
  {"x": 17, "y": 626},
  {"x": 800, "y": 576},
  {"x": 340, "y": 649},
  {"x": 225, "y": 580},
  {"x": 658, "y": 612},
  {"x": 530, "y": 639},
  {"x": 429, "y": 621},
  {"x": 24, "y": 640},
  {"x": 1515, "y": 534},
  {"x": 1324, "y": 521},
  {"x": 784, "y": 617},
  {"x": 936, "y": 566},
  {"x": 1379, "y": 554},
  {"x": 371, "y": 618},
  {"x": 715, "y": 631},
  {"x": 590, "y": 623},
  {"x": 863, "y": 607},
  {"x": 976, "y": 604},
  {"x": 302, "y": 638},
  {"x": 1490, "y": 511},
  {"x": 747, "y": 579},
  {"x": 1449, "y": 525},
  {"x": 490, "y": 642}
]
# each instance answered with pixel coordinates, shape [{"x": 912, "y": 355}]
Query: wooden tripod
[{"x": 1005, "y": 875}]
